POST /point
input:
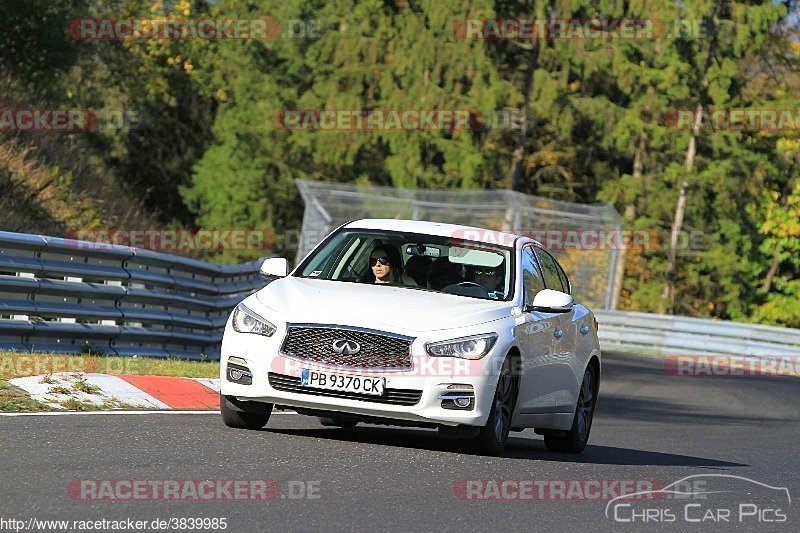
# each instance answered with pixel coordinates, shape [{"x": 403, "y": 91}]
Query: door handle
[
  {"x": 558, "y": 333},
  {"x": 584, "y": 329}
]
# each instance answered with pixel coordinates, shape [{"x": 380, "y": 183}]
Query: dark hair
[
  {"x": 395, "y": 262},
  {"x": 443, "y": 273},
  {"x": 418, "y": 267}
]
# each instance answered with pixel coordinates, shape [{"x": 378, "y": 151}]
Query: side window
[
  {"x": 552, "y": 277},
  {"x": 531, "y": 276}
]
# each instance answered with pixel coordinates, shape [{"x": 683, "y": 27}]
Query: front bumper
[{"x": 434, "y": 380}]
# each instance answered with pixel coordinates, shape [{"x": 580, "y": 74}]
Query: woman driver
[{"x": 385, "y": 265}]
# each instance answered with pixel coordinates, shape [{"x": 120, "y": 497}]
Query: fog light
[
  {"x": 462, "y": 402},
  {"x": 458, "y": 401},
  {"x": 239, "y": 374}
]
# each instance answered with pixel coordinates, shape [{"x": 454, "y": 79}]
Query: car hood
[{"x": 402, "y": 310}]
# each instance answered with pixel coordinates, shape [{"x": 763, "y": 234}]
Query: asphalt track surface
[{"x": 649, "y": 425}]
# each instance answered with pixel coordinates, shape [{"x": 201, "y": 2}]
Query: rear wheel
[
  {"x": 574, "y": 441},
  {"x": 235, "y": 417},
  {"x": 337, "y": 422},
  {"x": 493, "y": 436}
]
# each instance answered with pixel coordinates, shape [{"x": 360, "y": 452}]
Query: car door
[
  {"x": 564, "y": 370},
  {"x": 538, "y": 343}
]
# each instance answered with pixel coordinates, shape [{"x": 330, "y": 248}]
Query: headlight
[
  {"x": 473, "y": 347},
  {"x": 245, "y": 320}
]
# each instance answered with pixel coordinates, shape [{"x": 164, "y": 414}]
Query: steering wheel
[
  {"x": 472, "y": 284},
  {"x": 466, "y": 288}
]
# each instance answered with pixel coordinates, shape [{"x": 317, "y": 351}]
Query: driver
[
  {"x": 385, "y": 265},
  {"x": 490, "y": 279}
]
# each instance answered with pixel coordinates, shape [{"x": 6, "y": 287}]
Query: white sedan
[{"x": 401, "y": 322}]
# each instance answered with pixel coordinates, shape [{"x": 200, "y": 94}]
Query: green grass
[
  {"x": 81, "y": 385},
  {"x": 73, "y": 404},
  {"x": 14, "y": 399},
  {"x": 21, "y": 364}
]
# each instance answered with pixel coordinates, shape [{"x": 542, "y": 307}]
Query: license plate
[{"x": 342, "y": 382}]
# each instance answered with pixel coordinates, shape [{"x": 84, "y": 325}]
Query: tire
[
  {"x": 337, "y": 422},
  {"x": 574, "y": 441},
  {"x": 493, "y": 436},
  {"x": 234, "y": 417}
]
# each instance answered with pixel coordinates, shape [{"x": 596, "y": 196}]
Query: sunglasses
[{"x": 374, "y": 260}]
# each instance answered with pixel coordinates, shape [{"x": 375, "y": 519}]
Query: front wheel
[
  {"x": 493, "y": 436},
  {"x": 235, "y": 417},
  {"x": 574, "y": 441}
]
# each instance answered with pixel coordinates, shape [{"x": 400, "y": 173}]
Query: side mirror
[
  {"x": 550, "y": 301},
  {"x": 274, "y": 267}
]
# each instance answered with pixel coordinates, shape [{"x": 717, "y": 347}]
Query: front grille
[
  {"x": 378, "y": 350},
  {"x": 390, "y": 396}
]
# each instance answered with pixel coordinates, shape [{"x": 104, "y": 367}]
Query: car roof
[{"x": 439, "y": 229}]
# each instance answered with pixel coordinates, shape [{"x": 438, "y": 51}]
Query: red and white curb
[{"x": 123, "y": 391}]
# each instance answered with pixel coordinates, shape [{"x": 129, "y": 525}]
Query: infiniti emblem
[{"x": 346, "y": 347}]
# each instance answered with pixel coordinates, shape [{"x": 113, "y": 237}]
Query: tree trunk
[
  {"x": 668, "y": 295},
  {"x": 773, "y": 269},
  {"x": 519, "y": 150},
  {"x": 619, "y": 267},
  {"x": 628, "y": 216}
]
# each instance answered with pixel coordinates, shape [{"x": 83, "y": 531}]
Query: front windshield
[{"x": 414, "y": 261}]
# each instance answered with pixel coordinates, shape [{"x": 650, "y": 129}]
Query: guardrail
[
  {"x": 67, "y": 296},
  {"x": 667, "y": 335}
]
